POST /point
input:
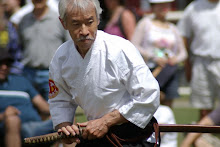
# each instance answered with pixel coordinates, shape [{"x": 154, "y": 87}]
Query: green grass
[
  {"x": 185, "y": 116},
  {"x": 80, "y": 117}
]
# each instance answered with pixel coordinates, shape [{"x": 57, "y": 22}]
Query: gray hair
[{"x": 80, "y": 4}]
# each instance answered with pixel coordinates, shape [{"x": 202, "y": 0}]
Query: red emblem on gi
[{"x": 53, "y": 89}]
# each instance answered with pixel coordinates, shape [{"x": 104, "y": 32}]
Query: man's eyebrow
[
  {"x": 76, "y": 20},
  {"x": 92, "y": 17}
]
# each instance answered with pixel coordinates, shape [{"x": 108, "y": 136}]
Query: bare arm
[
  {"x": 188, "y": 64},
  {"x": 99, "y": 127},
  {"x": 191, "y": 137},
  {"x": 138, "y": 38},
  {"x": 9, "y": 111},
  {"x": 180, "y": 46},
  {"x": 41, "y": 105},
  {"x": 128, "y": 23},
  {"x": 1, "y": 117}
]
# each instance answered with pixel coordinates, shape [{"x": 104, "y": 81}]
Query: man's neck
[
  {"x": 39, "y": 13},
  {"x": 82, "y": 52}
]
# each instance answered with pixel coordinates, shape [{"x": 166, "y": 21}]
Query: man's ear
[{"x": 63, "y": 23}]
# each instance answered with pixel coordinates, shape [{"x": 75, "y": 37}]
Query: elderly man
[{"x": 103, "y": 74}]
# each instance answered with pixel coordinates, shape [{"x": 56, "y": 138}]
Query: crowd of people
[{"x": 106, "y": 56}]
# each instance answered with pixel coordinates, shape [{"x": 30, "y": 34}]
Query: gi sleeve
[
  {"x": 142, "y": 87},
  {"x": 62, "y": 107}
]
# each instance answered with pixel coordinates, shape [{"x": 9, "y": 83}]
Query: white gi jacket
[{"x": 111, "y": 76}]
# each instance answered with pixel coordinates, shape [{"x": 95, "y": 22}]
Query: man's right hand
[{"x": 68, "y": 129}]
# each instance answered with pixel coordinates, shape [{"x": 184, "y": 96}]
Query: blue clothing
[
  {"x": 18, "y": 92},
  {"x": 9, "y": 41},
  {"x": 36, "y": 128},
  {"x": 13, "y": 44},
  {"x": 39, "y": 78},
  {"x": 14, "y": 49}
]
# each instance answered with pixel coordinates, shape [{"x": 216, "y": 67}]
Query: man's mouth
[{"x": 85, "y": 39}]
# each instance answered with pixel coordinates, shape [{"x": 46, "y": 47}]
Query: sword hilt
[{"x": 52, "y": 137}]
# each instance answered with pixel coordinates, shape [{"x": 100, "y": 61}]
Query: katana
[
  {"x": 189, "y": 128},
  {"x": 52, "y": 137}
]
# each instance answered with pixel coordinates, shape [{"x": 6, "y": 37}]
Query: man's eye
[
  {"x": 75, "y": 24},
  {"x": 90, "y": 22}
]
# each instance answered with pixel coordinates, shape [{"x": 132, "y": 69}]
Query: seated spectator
[
  {"x": 162, "y": 48},
  {"x": 18, "y": 100},
  {"x": 212, "y": 118}
]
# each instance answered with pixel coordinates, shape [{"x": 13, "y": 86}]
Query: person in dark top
[{"x": 20, "y": 106}]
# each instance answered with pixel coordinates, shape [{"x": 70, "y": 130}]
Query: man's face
[
  {"x": 11, "y": 5},
  {"x": 4, "y": 69},
  {"x": 82, "y": 26},
  {"x": 38, "y": 4}
]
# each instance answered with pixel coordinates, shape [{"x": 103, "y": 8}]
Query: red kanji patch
[{"x": 53, "y": 89}]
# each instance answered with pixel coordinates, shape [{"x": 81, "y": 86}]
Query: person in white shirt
[
  {"x": 165, "y": 115},
  {"x": 199, "y": 28},
  {"x": 103, "y": 74},
  {"x": 28, "y": 7}
]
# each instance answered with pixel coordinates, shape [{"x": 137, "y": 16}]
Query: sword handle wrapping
[{"x": 52, "y": 137}]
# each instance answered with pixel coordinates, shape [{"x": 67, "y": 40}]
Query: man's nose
[{"x": 84, "y": 30}]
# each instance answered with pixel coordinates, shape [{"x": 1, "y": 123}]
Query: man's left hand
[{"x": 94, "y": 129}]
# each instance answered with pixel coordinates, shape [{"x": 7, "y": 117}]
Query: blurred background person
[
  {"x": 4, "y": 36},
  {"x": 41, "y": 33},
  {"x": 12, "y": 6},
  {"x": 8, "y": 34},
  {"x": 118, "y": 18},
  {"x": 27, "y": 7},
  {"x": 165, "y": 115},
  {"x": 139, "y": 7},
  {"x": 21, "y": 107},
  {"x": 162, "y": 48},
  {"x": 211, "y": 119},
  {"x": 199, "y": 27}
]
